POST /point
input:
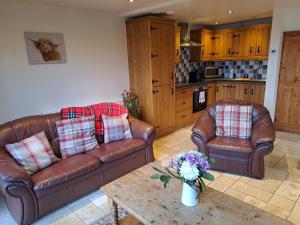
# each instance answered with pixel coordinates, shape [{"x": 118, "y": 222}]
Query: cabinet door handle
[
  {"x": 183, "y": 103},
  {"x": 172, "y": 76},
  {"x": 172, "y": 91},
  {"x": 153, "y": 28},
  {"x": 252, "y": 91},
  {"x": 154, "y": 55},
  {"x": 154, "y": 81},
  {"x": 229, "y": 51},
  {"x": 183, "y": 92},
  {"x": 183, "y": 116},
  {"x": 250, "y": 50},
  {"x": 177, "y": 52},
  {"x": 217, "y": 89},
  {"x": 245, "y": 91},
  {"x": 155, "y": 91},
  {"x": 258, "y": 49}
]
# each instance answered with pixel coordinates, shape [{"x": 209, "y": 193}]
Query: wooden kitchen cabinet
[
  {"x": 263, "y": 41},
  {"x": 257, "y": 93},
  {"x": 177, "y": 44},
  {"x": 184, "y": 105},
  {"x": 211, "y": 93},
  {"x": 151, "y": 59},
  {"x": 251, "y": 42},
  {"x": 223, "y": 90}
]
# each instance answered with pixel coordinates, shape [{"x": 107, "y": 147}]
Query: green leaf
[
  {"x": 202, "y": 184},
  {"x": 208, "y": 176},
  {"x": 165, "y": 184},
  {"x": 156, "y": 176},
  {"x": 211, "y": 160}
]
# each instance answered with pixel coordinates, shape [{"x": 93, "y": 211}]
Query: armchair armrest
[
  {"x": 11, "y": 172},
  {"x": 205, "y": 127},
  {"x": 263, "y": 131},
  {"x": 141, "y": 130}
]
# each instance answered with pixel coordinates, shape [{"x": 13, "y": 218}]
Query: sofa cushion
[
  {"x": 226, "y": 146},
  {"x": 117, "y": 150},
  {"x": 64, "y": 170}
]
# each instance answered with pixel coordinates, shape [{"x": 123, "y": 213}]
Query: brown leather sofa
[
  {"x": 245, "y": 157},
  {"x": 28, "y": 198}
]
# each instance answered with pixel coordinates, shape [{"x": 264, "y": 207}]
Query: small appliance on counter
[
  {"x": 213, "y": 72},
  {"x": 195, "y": 76}
]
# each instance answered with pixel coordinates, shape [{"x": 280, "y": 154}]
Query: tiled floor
[{"x": 278, "y": 193}]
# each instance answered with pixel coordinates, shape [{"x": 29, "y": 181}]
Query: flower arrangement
[
  {"x": 131, "y": 102},
  {"x": 189, "y": 167}
]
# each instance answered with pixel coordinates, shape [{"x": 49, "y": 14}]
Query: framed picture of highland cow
[{"x": 45, "y": 48}]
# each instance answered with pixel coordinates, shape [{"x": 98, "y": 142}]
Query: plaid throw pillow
[
  {"x": 33, "y": 153},
  {"x": 111, "y": 109},
  {"x": 116, "y": 128},
  {"x": 234, "y": 121},
  {"x": 76, "y": 135}
]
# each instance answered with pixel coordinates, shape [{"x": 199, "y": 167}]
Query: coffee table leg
[{"x": 115, "y": 213}]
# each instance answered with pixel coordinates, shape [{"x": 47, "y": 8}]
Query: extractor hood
[{"x": 185, "y": 36}]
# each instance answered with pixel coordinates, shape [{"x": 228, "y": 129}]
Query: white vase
[{"x": 189, "y": 195}]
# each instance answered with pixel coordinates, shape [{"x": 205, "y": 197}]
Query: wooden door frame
[{"x": 285, "y": 35}]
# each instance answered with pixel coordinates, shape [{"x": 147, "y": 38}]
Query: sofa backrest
[
  {"x": 20, "y": 129},
  {"x": 258, "y": 109}
]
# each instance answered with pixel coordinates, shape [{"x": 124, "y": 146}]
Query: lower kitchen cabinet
[
  {"x": 211, "y": 93},
  {"x": 246, "y": 91}
]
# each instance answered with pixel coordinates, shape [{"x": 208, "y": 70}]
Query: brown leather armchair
[
  {"x": 240, "y": 156},
  {"x": 29, "y": 198}
]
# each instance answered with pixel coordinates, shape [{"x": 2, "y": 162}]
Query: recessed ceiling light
[
  {"x": 230, "y": 11},
  {"x": 131, "y": 0},
  {"x": 216, "y": 22}
]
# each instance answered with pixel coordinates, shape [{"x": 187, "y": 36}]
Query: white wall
[
  {"x": 96, "y": 70},
  {"x": 286, "y": 17}
]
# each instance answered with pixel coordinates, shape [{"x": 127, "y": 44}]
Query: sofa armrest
[
  {"x": 11, "y": 172},
  {"x": 263, "y": 131},
  {"x": 205, "y": 127},
  {"x": 145, "y": 132},
  {"x": 141, "y": 130}
]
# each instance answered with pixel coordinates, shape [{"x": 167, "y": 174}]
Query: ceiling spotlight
[
  {"x": 230, "y": 11},
  {"x": 216, "y": 22},
  {"x": 131, "y": 0}
]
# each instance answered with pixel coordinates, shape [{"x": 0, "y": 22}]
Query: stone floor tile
[
  {"x": 295, "y": 215},
  {"x": 289, "y": 190},
  {"x": 282, "y": 202},
  {"x": 270, "y": 185},
  {"x": 71, "y": 219},
  {"x": 222, "y": 182},
  {"x": 266, "y": 207},
  {"x": 235, "y": 193},
  {"x": 89, "y": 213},
  {"x": 294, "y": 175},
  {"x": 276, "y": 173},
  {"x": 54, "y": 216},
  {"x": 289, "y": 162},
  {"x": 252, "y": 191},
  {"x": 272, "y": 159}
]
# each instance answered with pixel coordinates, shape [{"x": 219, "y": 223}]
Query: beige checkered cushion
[
  {"x": 33, "y": 153},
  {"x": 76, "y": 135},
  {"x": 116, "y": 128},
  {"x": 234, "y": 121}
]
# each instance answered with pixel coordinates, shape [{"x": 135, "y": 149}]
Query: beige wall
[
  {"x": 96, "y": 53},
  {"x": 286, "y": 17}
]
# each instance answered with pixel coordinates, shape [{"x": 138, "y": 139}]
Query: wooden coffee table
[{"x": 151, "y": 204}]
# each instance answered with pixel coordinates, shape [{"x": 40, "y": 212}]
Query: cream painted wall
[
  {"x": 286, "y": 17},
  {"x": 96, "y": 70}
]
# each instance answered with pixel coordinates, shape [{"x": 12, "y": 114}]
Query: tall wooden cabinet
[{"x": 151, "y": 60}]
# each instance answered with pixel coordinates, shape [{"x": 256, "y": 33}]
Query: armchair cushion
[{"x": 234, "y": 120}]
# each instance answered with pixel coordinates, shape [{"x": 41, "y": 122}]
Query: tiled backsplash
[{"x": 240, "y": 68}]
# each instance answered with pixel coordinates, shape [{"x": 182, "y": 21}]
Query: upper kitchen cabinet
[
  {"x": 263, "y": 41},
  {"x": 250, "y": 42},
  {"x": 177, "y": 44},
  {"x": 151, "y": 60}
]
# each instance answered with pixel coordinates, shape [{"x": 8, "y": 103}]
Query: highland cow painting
[{"x": 45, "y": 48}]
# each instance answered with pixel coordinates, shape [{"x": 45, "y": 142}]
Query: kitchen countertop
[{"x": 204, "y": 81}]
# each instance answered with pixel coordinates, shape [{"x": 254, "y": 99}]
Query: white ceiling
[{"x": 202, "y": 11}]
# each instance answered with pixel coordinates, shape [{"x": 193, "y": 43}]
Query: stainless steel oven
[
  {"x": 199, "y": 99},
  {"x": 213, "y": 72}
]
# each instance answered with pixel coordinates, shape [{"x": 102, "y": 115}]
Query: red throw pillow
[
  {"x": 76, "y": 135},
  {"x": 234, "y": 121}
]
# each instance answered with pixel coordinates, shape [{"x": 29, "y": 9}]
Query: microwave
[{"x": 213, "y": 72}]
